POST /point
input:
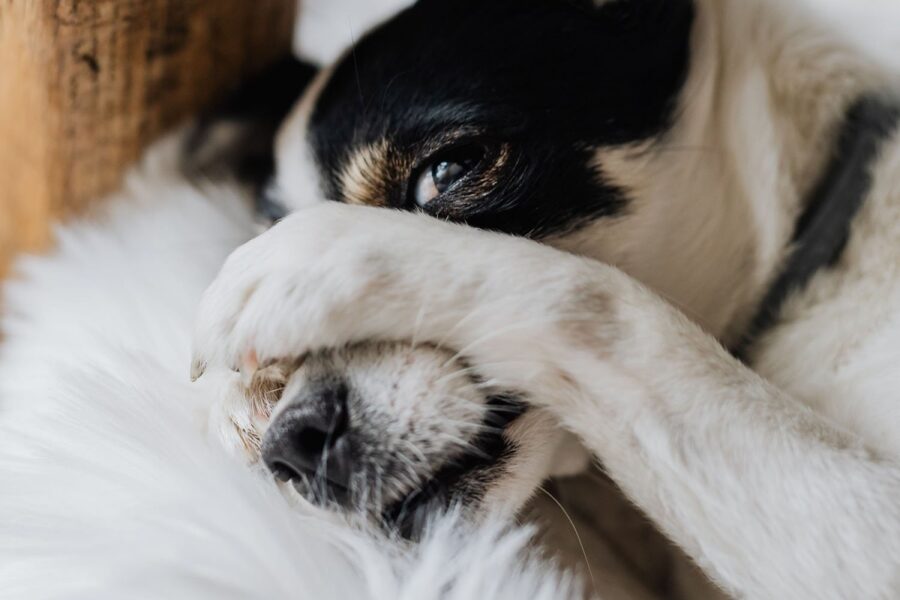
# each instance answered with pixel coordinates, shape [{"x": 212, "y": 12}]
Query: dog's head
[
  {"x": 491, "y": 113},
  {"x": 526, "y": 117}
]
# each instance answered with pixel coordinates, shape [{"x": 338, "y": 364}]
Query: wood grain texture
[{"x": 85, "y": 85}]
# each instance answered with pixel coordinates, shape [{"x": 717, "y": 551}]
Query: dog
[{"x": 516, "y": 237}]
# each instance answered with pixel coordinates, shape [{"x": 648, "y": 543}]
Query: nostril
[
  {"x": 322, "y": 430},
  {"x": 304, "y": 440},
  {"x": 282, "y": 470},
  {"x": 312, "y": 441}
]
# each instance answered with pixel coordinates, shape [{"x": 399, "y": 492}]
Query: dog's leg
[{"x": 771, "y": 500}]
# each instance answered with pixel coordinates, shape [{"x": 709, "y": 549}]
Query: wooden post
[{"x": 86, "y": 84}]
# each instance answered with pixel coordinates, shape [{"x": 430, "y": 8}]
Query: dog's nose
[{"x": 310, "y": 438}]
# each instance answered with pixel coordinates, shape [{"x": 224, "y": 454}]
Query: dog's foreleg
[{"x": 770, "y": 499}]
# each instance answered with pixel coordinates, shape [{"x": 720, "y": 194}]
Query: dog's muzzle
[{"x": 316, "y": 444}]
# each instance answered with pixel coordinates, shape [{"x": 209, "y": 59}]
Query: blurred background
[{"x": 86, "y": 85}]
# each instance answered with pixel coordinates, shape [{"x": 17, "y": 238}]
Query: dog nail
[
  {"x": 249, "y": 367},
  {"x": 198, "y": 367}
]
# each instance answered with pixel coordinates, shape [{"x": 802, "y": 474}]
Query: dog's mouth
[{"x": 463, "y": 479}]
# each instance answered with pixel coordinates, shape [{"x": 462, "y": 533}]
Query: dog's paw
[
  {"x": 322, "y": 278},
  {"x": 336, "y": 274}
]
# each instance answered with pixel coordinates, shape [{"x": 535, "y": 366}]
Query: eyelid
[{"x": 446, "y": 153}]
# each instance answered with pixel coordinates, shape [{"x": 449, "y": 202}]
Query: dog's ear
[{"x": 235, "y": 139}]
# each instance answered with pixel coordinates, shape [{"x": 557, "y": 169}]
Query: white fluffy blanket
[{"x": 109, "y": 487}]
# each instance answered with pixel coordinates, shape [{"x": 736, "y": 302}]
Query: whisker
[
  {"x": 419, "y": 454},
  {"x": 587, "y": 562},
  {"x": 466, "y": 445},
  {"x": 417, "y": 326},
  {"x": 462, "y": 372}
]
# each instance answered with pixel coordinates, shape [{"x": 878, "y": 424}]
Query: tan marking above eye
[{"x": 370, "y": 172}]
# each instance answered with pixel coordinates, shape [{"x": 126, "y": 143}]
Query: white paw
[
  {"x": 324, "y": 277},
  {"x": 336, "y": 274}
]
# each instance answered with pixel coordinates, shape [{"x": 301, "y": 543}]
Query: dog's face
[
  {"x": 490, "y": 113},
  {"x": 495, "y": 114}
]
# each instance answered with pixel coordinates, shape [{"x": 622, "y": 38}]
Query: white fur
[
  {"x": 781, "y": 483},
  {"x": 110, "y": 487},
  {"x": 771, "y": 499}
]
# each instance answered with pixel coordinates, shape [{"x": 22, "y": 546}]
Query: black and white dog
[{"x": 661, "y": 233}]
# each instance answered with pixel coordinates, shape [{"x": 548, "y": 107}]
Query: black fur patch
[
  {"x": 532, "y": 86},
  {"x": 823, "y": 229}
]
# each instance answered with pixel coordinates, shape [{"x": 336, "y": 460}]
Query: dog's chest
[{"x": 836, "y": 343}]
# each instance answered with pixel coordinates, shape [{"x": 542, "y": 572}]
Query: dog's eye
[
  {"x": 442, "y": 175},
  {"x": 269, "y": 208}
]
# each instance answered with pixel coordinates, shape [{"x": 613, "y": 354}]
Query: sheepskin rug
[{"x": 110, "y": 486}]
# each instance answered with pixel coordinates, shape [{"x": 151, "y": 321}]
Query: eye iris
[{"x": 445, "y": 173}]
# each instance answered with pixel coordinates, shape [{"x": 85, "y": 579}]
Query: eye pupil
[{"x": 445, "y": 173}]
